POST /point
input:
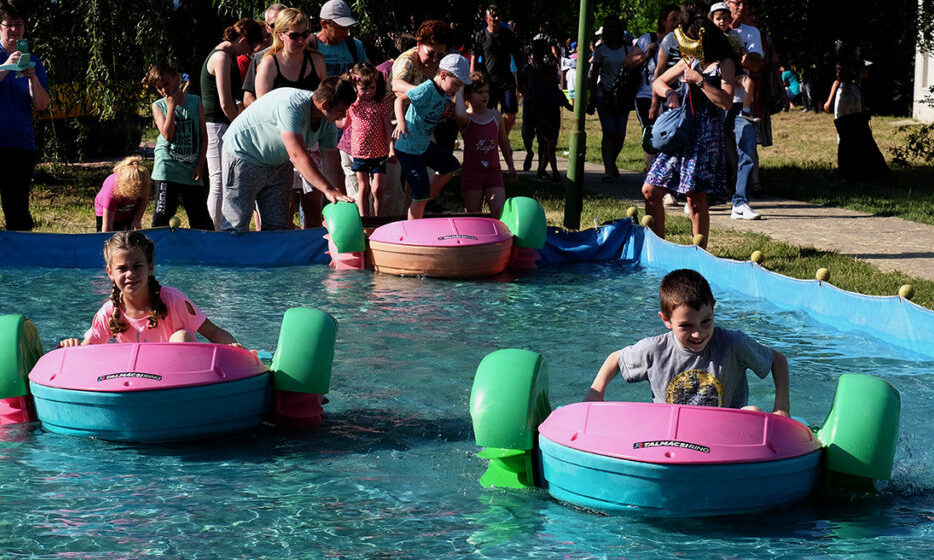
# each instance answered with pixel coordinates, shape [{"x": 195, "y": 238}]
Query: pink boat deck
[
  {"x": 677, "y": 434},
  {"x": 443, "y": 232},
  {"x": 144, "y": 366}
]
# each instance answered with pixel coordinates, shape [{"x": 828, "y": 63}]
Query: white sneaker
[
  {"x": 744, "y": 212},
  {"x": 687, "y": 208},
  {"x": 669, "y": 200}
]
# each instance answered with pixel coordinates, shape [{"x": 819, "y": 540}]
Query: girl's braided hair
[{"x": 127, "y": 241}]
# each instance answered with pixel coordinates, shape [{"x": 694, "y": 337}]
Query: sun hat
[
  {"x": 339, "y": 12},
  {"x": 458, "y": 66},
  {"x": 718, "y": 7}
]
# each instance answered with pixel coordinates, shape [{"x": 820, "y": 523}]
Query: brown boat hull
[{"x": 468, "y": 261}]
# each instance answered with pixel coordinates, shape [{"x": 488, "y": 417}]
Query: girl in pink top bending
[
  {"x": 370, "y": 135},
  {"x": 122, "y": 199},
  {"x": 484, "y": 137},
  {"x": 140, "y": 309}
]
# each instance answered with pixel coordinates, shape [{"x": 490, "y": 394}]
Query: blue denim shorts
[{"x": 369, "y": 165}]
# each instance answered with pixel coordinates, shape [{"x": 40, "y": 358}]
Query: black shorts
[{"x": 503, "y": 95}]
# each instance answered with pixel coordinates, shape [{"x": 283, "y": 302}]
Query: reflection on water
[{"x": 392, "y": 472}]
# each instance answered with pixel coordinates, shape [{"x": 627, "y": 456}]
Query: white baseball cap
[
  {"x": 458, "y": 66},
  {"x": 718, "y": 7},
  {"x": 337, "y": 11}
]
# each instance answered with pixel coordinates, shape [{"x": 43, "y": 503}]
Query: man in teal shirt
[{"x": 272, "y": 136}]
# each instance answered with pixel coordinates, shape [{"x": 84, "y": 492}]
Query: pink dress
[
  {"x": 368, "y": 137},
  {"x": 481, "y": 168},
  {"x": 123, "y": 208},
  {"x": 182, "y": 314}
]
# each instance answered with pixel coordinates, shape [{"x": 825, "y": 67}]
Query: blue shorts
[
  {"x": 369, "y": 165},
  {"x": 504, "y": 95},
  {"x": 415, "y": 168}
]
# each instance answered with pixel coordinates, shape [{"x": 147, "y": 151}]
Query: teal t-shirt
[
  {"x": 423, "y": 115},
  {"x": 338, "y": 58},
  {"x": 255, "y": 136},
  {"x": 175, "y": 161}
]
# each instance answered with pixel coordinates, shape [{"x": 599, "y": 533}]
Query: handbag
[{"x": 672, "y": 129}]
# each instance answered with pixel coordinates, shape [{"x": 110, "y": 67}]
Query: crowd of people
[{"x": 291, "y": 113}]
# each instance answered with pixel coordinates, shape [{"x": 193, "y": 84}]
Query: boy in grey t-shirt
[{"x": 695, "y": 363}]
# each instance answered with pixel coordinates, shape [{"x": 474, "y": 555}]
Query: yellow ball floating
[
  {"x": 175, "y": 222},
  {"x": 757, "y": 257},
  {"x": 647, "y": 221},
  {"x": 823, "y": 275},
  {"x": 907, "y": 291},
  {"x": 699, "y": 239}
]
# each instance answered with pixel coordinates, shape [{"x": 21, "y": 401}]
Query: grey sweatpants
[{"x": 248, "y": 186}]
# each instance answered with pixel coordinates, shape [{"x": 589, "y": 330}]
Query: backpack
[{"x": 672, "y": 129}]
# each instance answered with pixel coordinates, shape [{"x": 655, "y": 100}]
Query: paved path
[{"x": 889, "y": 244}]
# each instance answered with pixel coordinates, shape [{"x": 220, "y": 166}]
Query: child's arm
[
  {"x": 68, "y": 342},
  {"x": 833, "y": 93},
  {"x": 215, "y": 334},
  {"x": 780, "y": 376},
  {"x": 165, "y": 123},
  {"x": 137, "y": 222},
  {"x": 107, "y": 220},
  {"x": 387, "y": 130},
  {"x": 460, "y": 110},
  {"x": 400, "y": 105},
  {"x": 198, "y": 172},
  {"x": 606, "y": 374},
  {"x": 506, "y": 148}
]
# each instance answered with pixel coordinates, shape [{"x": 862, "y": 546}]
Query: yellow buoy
[
  {"x": 907, "y": 291},
  {"x": 632, "y": 212},
  {"x": 647, "y": 220},
  {"x": 757, "y": 257},
  {"x": 823, "y": 275},
  {"x": 699, "y": 239},
  {"x": 175, "y": 222}
]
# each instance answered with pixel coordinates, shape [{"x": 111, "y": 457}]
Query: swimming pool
[{"x": 392, "y": 472}]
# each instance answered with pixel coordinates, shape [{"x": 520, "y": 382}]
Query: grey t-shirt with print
[{"x": 715, "y": 376}]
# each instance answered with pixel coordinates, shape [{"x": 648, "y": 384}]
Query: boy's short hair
[
  {"x": 684, "y": 287},
  {"x": 336, "y": 90},
  {"x": 158, "y": 72}
]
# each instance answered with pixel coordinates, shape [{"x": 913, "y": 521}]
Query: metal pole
[{"x": 574, "y": 197}]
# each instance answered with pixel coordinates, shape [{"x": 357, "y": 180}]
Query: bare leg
[
  {"x": 509, "y": 121},
  {"x": 417, "y": 209},
  {"x": 700, "y": 215},
  {"x": 655, "y": 207},
  {"x": 377, "y": 186},
  {"x": 496, "y": 199},
  {"x": 438, "y": 182},
  {"x": 363, "y": 193}
]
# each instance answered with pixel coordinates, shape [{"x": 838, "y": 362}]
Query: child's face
[
  {"x": 692, "y": 328},
  {"x": 722, "y": 19},
  {"x": 366, "y": 90},
  {"x": 449, "y": 83},
  {"x": 479, "y": 98},
  {"x": 168, "y": 86},
  {"x": 130, "y": 271}
]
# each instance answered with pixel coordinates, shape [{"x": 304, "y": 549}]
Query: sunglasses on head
[{"x": 296, "y": 35}]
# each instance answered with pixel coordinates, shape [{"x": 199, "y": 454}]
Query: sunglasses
[
  {"x": 434, "y": 55},
  {"x": 297, "y": 35},
  {"x": 13, "y": 25}
]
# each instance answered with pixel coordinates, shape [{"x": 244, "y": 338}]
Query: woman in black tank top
[{"x": 289, "y": 62}]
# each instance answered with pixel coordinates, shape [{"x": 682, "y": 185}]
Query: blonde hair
[
  {"x": 287, "y": 19},
  {"x": 132, "y": 178}
]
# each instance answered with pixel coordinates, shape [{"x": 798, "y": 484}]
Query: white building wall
[{"x": 924, "y": 80}]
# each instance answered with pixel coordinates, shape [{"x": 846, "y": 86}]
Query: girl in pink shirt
[
  {"x": 370, "y": 136},
  {"x": 140, "y": 309},
  {"x": 122, "y": 199}
]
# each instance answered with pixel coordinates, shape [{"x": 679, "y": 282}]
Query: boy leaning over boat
[{"x": 696, "y": 363}]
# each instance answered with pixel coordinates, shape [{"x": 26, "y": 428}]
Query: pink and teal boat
[
  {"x": 674, "y": 460},
  {"x": 159, "y": 392}
]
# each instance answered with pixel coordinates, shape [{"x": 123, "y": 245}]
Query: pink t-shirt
[
  {"x": 369, "y": 138},
  {"x": 123, "y": 208},
  {"x": 182, "y": 314}
]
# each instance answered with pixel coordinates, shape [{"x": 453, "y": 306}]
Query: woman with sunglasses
[
  {"x": 290, "y": 63},
  {"x": 220, "y": 89},
  {"x": 20, "y": 93}
]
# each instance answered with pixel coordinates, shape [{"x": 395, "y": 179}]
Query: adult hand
[
  {"x": 334, "y": 195},
  {"x": 13, "y": 58}
]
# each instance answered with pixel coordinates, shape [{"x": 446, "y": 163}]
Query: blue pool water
[{"x": 392, "y": 472}]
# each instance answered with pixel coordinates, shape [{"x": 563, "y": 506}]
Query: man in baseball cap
[{"x": 337, "y": 11}]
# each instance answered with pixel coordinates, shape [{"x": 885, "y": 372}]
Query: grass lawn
[{"x": 800, "y": 165}]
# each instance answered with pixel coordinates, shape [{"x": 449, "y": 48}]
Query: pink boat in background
[{"x": 447, "y": 247}]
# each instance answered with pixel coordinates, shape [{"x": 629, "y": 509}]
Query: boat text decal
[
  {"x": 457, "y": 236},
  {"x": 110, "y": 376},
  {"x": 671, "y": 443}
]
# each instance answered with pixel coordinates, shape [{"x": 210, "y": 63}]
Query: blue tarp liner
[{"x": 892, "y": 319}]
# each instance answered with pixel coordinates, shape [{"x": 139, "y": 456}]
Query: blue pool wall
[{"x": 890, "y": 318}]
